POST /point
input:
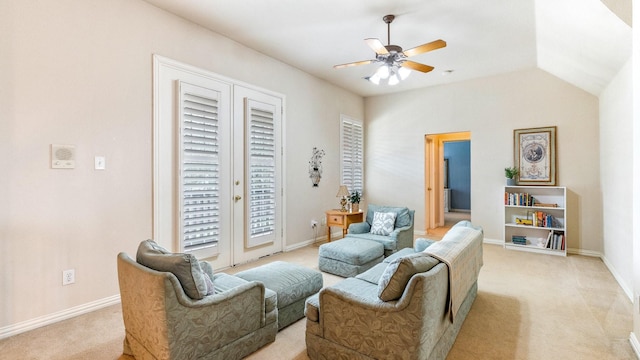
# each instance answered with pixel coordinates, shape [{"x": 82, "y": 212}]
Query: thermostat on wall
[{"x": 63, "y": 156}]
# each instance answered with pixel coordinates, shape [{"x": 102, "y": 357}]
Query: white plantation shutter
[
  {"x": 261, "y": 153},
  {"x": 199, "y": 178},
  {"x": 352, "y": 154}
]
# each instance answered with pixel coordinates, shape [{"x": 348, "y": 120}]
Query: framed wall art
[{"x": 535, "y": 155}]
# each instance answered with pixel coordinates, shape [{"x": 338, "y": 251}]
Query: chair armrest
[
  {"x": 359, "y": 228},
  {"x": 403, "y": 237}
]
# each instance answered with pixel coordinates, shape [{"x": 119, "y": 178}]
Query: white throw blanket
[{"x": 461, "y": 250}]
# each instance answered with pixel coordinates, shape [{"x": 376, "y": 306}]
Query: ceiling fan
[{"x": 395, "y": 65}]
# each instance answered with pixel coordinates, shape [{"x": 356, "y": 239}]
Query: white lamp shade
[
  {"x": 393, "y": 80},
  {"x": 383, "y": 72},
  {"x": 375, "y": 78},
  {"x": 404, "y": 73}
]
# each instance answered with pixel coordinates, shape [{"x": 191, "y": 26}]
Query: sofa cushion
[
  {"x": 399, "y": 272},
  {"x": 373, "y": 275},
  {"x": 400, "y": 253},
  {"x": 195, "y": 282},
  {"x": 224, "y": 282},
  {"x": 383, "y": 223}
]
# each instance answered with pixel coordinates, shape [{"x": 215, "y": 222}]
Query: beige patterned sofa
[{"x": 411, "y": 306}]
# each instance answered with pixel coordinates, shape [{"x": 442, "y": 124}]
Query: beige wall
[
  {"x": 616, "y": 142},
  {"x": 79, "y": 72},
  {"x": 636, "y": 177},
  {"x": 490, "y": 108}
]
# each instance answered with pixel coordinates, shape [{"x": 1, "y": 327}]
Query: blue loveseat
[{"x": 401, "y": 237}]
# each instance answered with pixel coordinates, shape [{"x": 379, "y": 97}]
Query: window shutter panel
[
  {"x": 199, "y": 169},
  {"x": 351, "y": 145},
  {"x": 261, "y": 153}
]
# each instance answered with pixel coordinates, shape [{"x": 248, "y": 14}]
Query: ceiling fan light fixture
[
  {"x": 404, "y": 73},
  {"x": 393, "y": 80},
  {"x": 393, "y": 62},
  {"x": 383, "y": 71}
]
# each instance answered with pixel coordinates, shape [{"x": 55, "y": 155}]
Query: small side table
[{"x": 342, "y": 219}]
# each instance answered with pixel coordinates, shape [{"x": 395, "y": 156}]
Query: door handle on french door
[{"x": 237, "y": 198}]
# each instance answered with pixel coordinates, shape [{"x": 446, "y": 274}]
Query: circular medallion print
[{"x": 533, "y": 153}]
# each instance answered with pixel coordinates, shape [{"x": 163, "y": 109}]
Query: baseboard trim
[
  {"x": 618, "y": 278},
  {"x": 493, "y": 241},
  {"x": 301, "y": 244},
  {"x": 334, "y": 236},
  {"x": 635, "y": 345},
  {"x": 584, "y": 252},
  {"x": 32, "y": 324}
]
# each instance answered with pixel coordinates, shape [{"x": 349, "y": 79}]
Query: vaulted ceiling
[{"x": 584, "y": 42}]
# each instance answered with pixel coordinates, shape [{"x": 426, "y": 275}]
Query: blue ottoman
[
  {"x": 349, "y": 257},
  {"x": 292, "y": 283}
]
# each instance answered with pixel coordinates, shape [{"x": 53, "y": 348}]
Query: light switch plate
[{"x": 100, "y": 163}]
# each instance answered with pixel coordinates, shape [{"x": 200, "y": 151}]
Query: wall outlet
[
  {"x": 314, "y": 224},
  {"x": 68, "y": 276},
  {"x": 323, "y": 221}
]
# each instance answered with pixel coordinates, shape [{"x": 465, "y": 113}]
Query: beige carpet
[{"x": 529, "y": 306}]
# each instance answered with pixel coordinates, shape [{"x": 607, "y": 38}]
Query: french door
[
  {"x": 217, "y": 166},
  {"x": 257, "y": 163}
]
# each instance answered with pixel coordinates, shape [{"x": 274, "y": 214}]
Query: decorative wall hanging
[
  {"x": 535, "y": 155},
  {"x": 315, "y": 166}
]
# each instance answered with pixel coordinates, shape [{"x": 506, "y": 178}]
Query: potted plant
[
  {"x": 511, "y": 173},
  {"x": 354, "y": 199}
]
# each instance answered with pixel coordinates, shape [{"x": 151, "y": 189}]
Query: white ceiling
[{"x": 580, "y": 41}]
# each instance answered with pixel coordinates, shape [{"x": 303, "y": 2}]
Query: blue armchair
[{"x": 401, "y": 236}]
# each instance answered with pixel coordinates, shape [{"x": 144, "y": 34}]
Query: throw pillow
[
  {"x": 383, "y": 223},
  {"x": 196, "y": 283},
  {"x": 397, "y": 275},
  {"x": 207, "y": 271}
]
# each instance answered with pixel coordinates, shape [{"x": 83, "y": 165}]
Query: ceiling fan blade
[
  {"x": 434, "y": 45},
  {"x": 377, "y": 46},
  {"x": 416, "y": 66},
  {"x": 364, "y": 62}
]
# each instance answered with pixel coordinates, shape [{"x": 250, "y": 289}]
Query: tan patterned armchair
[{"x": 162, "y": 322}]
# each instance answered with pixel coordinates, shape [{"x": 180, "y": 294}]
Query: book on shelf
[
  {"x": 542, "y": 219},
  {"x": 556, "y": 241},
  {"x": 545, "y": 205},
  {"x": 518, "y": 199},
  {"x": 524, "y": 199},
  {"x": 519, "y": 239},
  {"x": 546, "y": 244}
]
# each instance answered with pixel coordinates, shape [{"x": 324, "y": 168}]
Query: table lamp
[{"x": 343, "y": 192}]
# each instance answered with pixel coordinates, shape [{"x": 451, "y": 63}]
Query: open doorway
[{"x": 447, "y": 180}]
